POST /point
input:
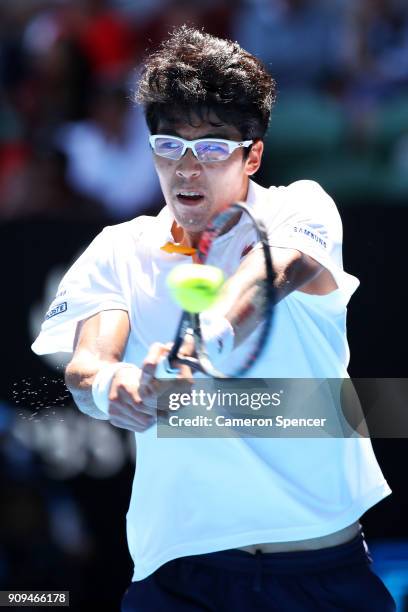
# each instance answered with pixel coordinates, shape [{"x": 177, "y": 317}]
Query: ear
[{"x": 253, "y": 161}]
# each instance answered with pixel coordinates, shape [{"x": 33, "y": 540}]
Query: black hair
[{"x": 194, "y": 74}]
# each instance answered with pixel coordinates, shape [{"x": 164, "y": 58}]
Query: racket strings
[{"x": 190, "y": 323}]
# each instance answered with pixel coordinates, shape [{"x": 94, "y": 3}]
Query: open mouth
[{"x": 189, "y": 197}]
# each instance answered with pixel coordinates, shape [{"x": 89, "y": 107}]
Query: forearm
[
  {"x": 99, "y": 340},
  {"x": 243, "y": 295},
  {"x": 79, "y": 376}
]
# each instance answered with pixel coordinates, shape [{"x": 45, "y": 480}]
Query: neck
[
  {"x": 192, "y": 239},
  {"x": 183, "y": 237}
]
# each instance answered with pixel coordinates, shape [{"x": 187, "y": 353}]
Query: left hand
[{"x": 151, "y": 387}]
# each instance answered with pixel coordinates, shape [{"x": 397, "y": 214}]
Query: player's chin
[{"x": 193, "y": 222}]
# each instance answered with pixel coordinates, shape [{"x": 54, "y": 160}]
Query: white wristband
[
  {"x": 218, "y": 336},
  {"x": 102, "y": 384}
]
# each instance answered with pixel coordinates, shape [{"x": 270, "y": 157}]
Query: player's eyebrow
[{"x": 172, "y": 132}]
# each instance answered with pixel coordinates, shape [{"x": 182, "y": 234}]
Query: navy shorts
[{"x": 330, "y": 579}]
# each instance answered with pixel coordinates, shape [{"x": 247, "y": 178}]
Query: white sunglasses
[{"x": 204, "y": 149}]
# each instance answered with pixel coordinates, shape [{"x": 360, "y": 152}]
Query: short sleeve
[
  {"x": 308, "y": 220},
  {"x": 90, "y": 286}
]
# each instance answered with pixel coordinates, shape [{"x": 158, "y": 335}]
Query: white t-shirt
[{"x": 200, "y": 495}]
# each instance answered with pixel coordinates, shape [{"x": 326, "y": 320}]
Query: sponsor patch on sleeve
[
  {"x": 58, "y": 309},
  {"x": 305, "y": 231}
]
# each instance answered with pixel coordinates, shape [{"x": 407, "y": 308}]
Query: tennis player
[{"x": 227, "y": 523}]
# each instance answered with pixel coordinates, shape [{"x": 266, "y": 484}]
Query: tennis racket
[{"x": 190, "y": 322}]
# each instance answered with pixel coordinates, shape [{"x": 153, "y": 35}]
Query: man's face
[{"x": 217, "y": 184}]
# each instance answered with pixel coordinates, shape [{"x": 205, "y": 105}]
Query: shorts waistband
[{"x": 354, "y": 552}]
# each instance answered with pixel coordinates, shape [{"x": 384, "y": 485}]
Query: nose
[{"x": 188, "y": 166}]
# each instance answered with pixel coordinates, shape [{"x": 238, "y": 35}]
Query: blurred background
[{"x": 74, "y": 157}]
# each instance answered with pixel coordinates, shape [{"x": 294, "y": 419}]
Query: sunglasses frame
[{"x": 190, "y": 144}]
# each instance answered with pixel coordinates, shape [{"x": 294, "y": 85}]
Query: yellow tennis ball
[{"x": 195, "y": 287}]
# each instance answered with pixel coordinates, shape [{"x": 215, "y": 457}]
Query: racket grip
[{"x": 164, "y": 370}]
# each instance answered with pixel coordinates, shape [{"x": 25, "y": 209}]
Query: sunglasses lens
[
  {"x": 212, "y": 151},
  {"x": 168, "y": 147}
]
